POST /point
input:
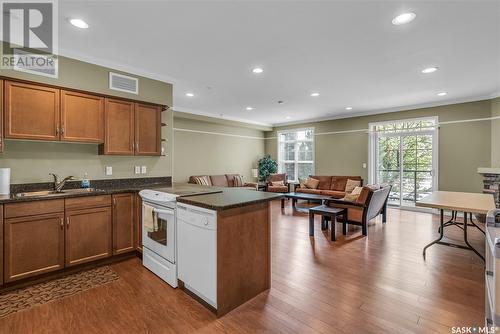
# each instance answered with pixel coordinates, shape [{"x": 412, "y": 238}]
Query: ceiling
[{"x": 348, "y": 51}]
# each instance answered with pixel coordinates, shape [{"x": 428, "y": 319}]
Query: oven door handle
[{"x": 167, "y": 212}]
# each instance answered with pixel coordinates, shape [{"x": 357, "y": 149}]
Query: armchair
[
  {"x": 276, "y": 178},
  {"x": 370, "y": 203}
]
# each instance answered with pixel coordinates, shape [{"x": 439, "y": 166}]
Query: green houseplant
[{"x": 267, "y": 165}]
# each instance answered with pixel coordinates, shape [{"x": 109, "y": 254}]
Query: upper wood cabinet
[
  {"x": 82, "y": 117},
  {"x": 1, "y": 244},
  {"x": 131, "y": 128},
  {"x": 1, "y": 127},
  {"x": 147, "y": 129},
  {"x": 118, "y": 127},
  {"x": 31, "y": 111},
  {"x": 123, "y": 223}
]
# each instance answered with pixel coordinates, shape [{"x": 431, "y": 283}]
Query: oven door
[{"x": 161, "y": 241}]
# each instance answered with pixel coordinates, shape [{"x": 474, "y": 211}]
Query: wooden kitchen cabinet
[
  {"x": 1, "y": 128},
  {"x": 1, "y": 245},
  {"x": 147, "y": 129},
  {"x": 33, "y": 245},
  {"x": 123, "y": 223},
  {"x": 82, "y": 117},
  {"x": 31, "y": 111},
  {"x": 138, "y": 223},
  {"x": 118, "y": 127},
  {"x": 88, "y": 235}
]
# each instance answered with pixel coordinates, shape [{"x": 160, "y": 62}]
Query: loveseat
[
  {"x": 334, "y": 186},
  {"x": 225, "y": 180}
]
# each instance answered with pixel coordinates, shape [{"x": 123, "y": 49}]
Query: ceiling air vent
[{"x": 123, "y": 83}]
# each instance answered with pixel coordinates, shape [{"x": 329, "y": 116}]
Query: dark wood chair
[
  {"x": 370, "y": 203},
  {"x": 278, "y": 188}
]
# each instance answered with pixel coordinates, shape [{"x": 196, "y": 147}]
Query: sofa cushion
[
  {"x": 351, "y": 184},
  {"x": 276, "y": 177},
  {"x": 339, "y": 182},
  {"x": 277, "y": 183},
  {"x": 324, "y": 181},
  {"x": 219, "y": 180},
  {"x": 277, "y": 189},
  {"x": 308, "y": 191},
  {"x": 312, "y": 183},
  {"x": 333, "y": 193},
  {"x": 202, "y": 180}
]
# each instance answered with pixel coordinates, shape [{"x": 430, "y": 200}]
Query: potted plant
[{"x": 267, "y": 165}]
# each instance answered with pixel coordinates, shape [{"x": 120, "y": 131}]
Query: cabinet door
[
  {"x": 1, "y": 245},
  {"x": 1, "y": 126},
  {"x": 82, "y": 117},
  {"x": 88, "y": 235},
  {"x": 33, "y": 245},
  {"x": 138, "y": 223},
  {"x": 147, "y": 129},
  {"x": 118, "y": 127},
  {"x": 31, "y": 111},
  {"x": 123, "y": 223}
]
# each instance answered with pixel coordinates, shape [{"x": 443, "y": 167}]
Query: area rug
[{"x": 39, "y": 294}]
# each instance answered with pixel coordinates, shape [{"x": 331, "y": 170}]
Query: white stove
[{"x": 159, "y": 228}]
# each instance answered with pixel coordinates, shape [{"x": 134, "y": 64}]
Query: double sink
[{"x": 53, "y": 193}]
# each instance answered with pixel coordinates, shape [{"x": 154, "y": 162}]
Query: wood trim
[
  {"x": 64, "y": 126},
  {"x": 164, "y": 106},
  {"x": 85, "y": 202},
  {"x": 32, "y": 208},
  {"x": 1, "y": 127}
]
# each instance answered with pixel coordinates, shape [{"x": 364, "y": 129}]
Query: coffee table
[
  {"x": 326, "y": 212},
  {"x": 309, "y": 197}
]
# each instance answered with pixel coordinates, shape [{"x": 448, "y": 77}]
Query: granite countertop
[{"x": 229, "y": 198}]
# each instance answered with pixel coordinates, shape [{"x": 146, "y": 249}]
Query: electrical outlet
[
  {"x": 364, "y": 164},
  {"x": 144, "y": 170},
  {"x": 137, "y": 169},
  {"x": 109, "y": 170}
]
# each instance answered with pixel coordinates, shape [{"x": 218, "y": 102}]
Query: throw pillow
[
  {"x": 351, "y": 184},
  {"x": 356, "y": 191},
  {"x": 350, "y": 197},
  {"x": 312, "y": 183},
  {"x": 238, "y": 181},
  {"x": 202, "y": 180},
  {"x": 278, "y": 183},
  {"x": 302, "y": 183}
]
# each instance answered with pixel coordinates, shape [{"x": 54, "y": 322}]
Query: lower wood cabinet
[
  {"x": 33, "y": 245},
  {"x": 138, "y": 223},
  {"x": 123, "y": 223},
  {"x": 88, "y": 235}
]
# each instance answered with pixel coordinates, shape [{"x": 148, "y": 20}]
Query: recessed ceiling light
[
  {"x": 257, "y": 70},
  {"x": 441, "y": 94},
  {"x": 429, "y": 70},
  {"x": 249, "y": 108},
  {"x": 314, "y": 94},
  {"x": 79, "y": 23},
  {"x": 403, "y": 18},
  {"x": 189, "y": 94},
  {"x": 288, "y": 117},
  {"x": 348, "y": 108}
]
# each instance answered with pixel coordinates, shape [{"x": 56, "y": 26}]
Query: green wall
[
  {"x": 215, "y": 147},
  {"x": 31, "y": 161},
  {"x": 463, "y": 147},
  {"x": 495, "y": 133}
]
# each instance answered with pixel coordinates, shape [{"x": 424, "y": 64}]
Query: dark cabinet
[{"x": 123, "y": 223}]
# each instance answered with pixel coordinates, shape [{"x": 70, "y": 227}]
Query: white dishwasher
[{"x": 197, "y": 251}]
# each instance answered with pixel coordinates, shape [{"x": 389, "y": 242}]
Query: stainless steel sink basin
[{"x": 52, "y": 193}]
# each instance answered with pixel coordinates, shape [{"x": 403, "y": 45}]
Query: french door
[{"x": 404, "y": 154}]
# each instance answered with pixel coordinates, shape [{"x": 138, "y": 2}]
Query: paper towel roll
[{"x": 4, "y": 181}]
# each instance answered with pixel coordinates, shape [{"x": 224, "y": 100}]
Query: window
[
  {"x": 296, "y": 153},
  {"x": 404, "y": 154}
]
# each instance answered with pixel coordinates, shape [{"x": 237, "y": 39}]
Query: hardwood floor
[{"x": 374, "y": 284}]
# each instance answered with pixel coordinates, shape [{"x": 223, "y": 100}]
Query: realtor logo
[{"x": 29, "y": 32}]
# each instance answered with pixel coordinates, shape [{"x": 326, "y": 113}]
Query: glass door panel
[{"x": 388, "y": 169}]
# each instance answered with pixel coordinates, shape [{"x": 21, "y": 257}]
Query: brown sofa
[
  {"x": 225, "y": 180},
  {"x": 329, "y": 185}
]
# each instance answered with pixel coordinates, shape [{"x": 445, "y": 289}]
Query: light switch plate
[
  {"x": 364, "y": 164},
  {"x": 144, "y": 170},
  {"x": 109, "y": 170},
  {"x": 137, "y": 169}
]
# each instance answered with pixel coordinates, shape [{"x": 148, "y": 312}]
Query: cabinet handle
[
  {"x": 57, "y": 130},
  {"x": 114, "y": 201},
  {"x": 67, "y": 222},
  {"x": 62, "y": 131},
  {"x": 61, "y": 221}
]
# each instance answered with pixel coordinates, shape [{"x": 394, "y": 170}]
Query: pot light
[
  {"x": 79, "y": 23},
  {"x": 348, "y": 108},
  {"x": 429, "y": 70},
  {"x": 257, "y": 70},
  {"x": 189, "y": 94},
  {"x": 441, "y": 94},
  {"x": 249, "y": 108},
  {"x": 288, "y": 117},
  {"x": 403, "y": 18},
  {"x": 314, "y": 94}
]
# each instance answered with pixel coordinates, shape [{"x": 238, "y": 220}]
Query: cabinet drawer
[
  {"x": 88, "y": 202},
  {"x": 23, "y": 209}
]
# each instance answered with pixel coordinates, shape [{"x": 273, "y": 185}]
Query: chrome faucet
[{"x": 58, "y": 185}]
